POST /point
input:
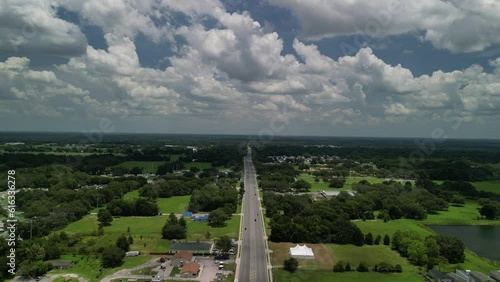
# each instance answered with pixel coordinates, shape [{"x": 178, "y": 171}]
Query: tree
[
  {"x": 112, "y": 256},
  {"x": 136, "y": 170},
  {"x": 457, "y": 199},
  {"x": 123, "y": 243},
  {"x": 387, "y": 240},
  {"x": 417, "y": 253},
  {"x": 489, "y": 211},
  {"x": 451, "y": 248},
  {"x": 377, "y": 240},
  {"x": 347, "y": 267},
  {"x": 172, "y": 219},
  {"x": 398, "y": 268},
  {"x": 130, "y": 240},
  {"x": 339, "y": 266},
  {"x": 182, "y": 222},
  {"x": 369, "y": 239},
  {"x": 223, "y": 243},
  {"x": 362, "y": 267},
  {"x": 100, "y": 230},
  {"x": 173, "y": 232},
  {"x": 336, "y": 183},
  {"x": 104, "y": 217},
  {"x": 291, "y": 265},
  {"x": 432, "y": 247},
  {"x": 218, "y": 217}
]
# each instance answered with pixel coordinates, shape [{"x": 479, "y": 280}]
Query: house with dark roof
[
  {"x": 495, "y": 275},
  {"x": 190, "y": 270},
  {"x": 181, "y": 258},
  {"x": 458, "y": 278},
  {"x": 480, "y": 277},
  {"x": 439, "y": 276}
]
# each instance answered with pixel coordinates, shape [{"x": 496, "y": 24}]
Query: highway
[{"x": 253, "y": 264}]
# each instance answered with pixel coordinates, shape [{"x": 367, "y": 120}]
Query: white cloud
[
  {"x": 455, "y": 25},
  {"x": 31, "y": 27}
]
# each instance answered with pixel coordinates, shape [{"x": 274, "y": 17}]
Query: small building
[
  {"x": 301, "y": 252},
  {"x": 457, "y": 278},
  {"x": 181, "y": 258},
  {"x": 495, "y": 275},
  {"x": 439, "y": 276},
  {"x": 200, "y": 218},
  {"x": 190, "y": 270},
  {"x": 132, "y": 254},
  {"x": 463, "y": 274},
  {"x": 480, "y": 277},
  {"x": 61, "y": 264}
]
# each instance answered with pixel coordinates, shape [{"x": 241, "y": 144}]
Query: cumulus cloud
[
  {"x": 455, "y": 25},
  {"x": 31, "y": 27},
  {"x": 235, "y": 71}
]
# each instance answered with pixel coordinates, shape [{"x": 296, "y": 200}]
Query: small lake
[{"x": 484, "y": 240}]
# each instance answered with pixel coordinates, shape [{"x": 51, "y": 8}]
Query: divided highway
[{"x": 252, "y": 265}]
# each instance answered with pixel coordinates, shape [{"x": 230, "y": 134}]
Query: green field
[
  {"x": 488, "y": 186},
  {"x": 326, "y": 255},
  {"x": 319, "y": 186},
  {"x": 174, "y": 204},
  {"x": 147, "y": 227},
  {"x": 328, "y": 276},
  {"x": 197, "y": 230},
  {"x": 88, "y": 267},
  {"x": 200, "y": 165},
  {"x": 147, "y": 167}
]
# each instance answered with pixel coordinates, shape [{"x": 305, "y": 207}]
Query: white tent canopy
[{"x": 301, "y": 252}]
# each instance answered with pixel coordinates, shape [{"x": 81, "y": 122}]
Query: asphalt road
[{"x": 253, "y": 265}]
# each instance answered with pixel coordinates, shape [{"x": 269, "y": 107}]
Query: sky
[{"x": 383, "y": 68}]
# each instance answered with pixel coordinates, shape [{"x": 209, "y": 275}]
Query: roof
[
  {"x": 183, "y": 254},
  {"x": 192, "y": 267},
  {"x": 457, "y": 278},
  {"x": 495, "y": 274},
  {"x": 301, "y": 251},
  {"x": 438, "y": 274},
  {"x": 479, "y": 275}
]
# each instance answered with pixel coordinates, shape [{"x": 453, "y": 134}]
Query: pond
[{"x": 484, "y": 240}]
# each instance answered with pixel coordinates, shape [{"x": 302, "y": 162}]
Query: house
[
  {"x": 61, "y": 264},
  {"x": 439, "y": 276},
  {"x": 463, "y": 274},
  {"x": 495, "y": 275},
  {"x": 181, "y": 258},
  {"x": 457, "y": 278},
  {"x": 480, "y": 277},
  {"x": 190, "y": 270}
]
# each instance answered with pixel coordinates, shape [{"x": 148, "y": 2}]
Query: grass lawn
[
  {"x": 488, "y": 186},
  {"x": 147, "y": 166},
  {"x": 197, "y": 230},
  {"x": 147, "y": 227},
  {"x": 460, "y": 215},
  {"x": 131, "y": 195},
  {"x": 318, "y": 186},
  {"x": 64, "y": 279},
  {"x": 175, "y": 270},
  {"x": 173, "y": 204},
  {"x": 88, "y": 267},
  {"x": 200, "y": 165},
  {"x": 326, "y": 255},
  {"x": 328, "y": 275}
]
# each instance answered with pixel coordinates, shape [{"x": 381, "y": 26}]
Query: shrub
[{"x": 362, "y": 267}]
